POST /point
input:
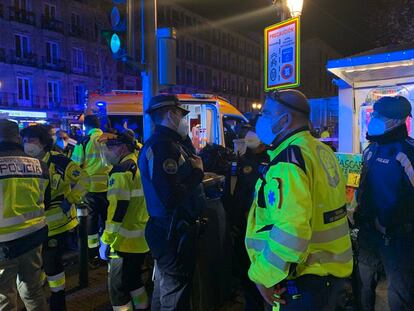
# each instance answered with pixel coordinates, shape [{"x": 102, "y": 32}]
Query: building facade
[
  {"x": 213, "y": 59},
  {"x": 52, "y": 51}
]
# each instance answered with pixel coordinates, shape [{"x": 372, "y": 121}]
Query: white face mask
[
  {"x": 252, "y": 141},
  {"x": 32, "y": 149},
  {"x": 183, "y": 128}
]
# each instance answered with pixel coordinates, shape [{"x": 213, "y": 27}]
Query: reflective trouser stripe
[
  {"x": 140, "y": 298},
  {"x": 56, "y": 282},
  {"x": 127, "y": 307},
  {"x": 330, "y": 235},
  {"x": 324, "y": 257},
  {"x": 93, "y": 240},
  {"x": 55, "y": 217}
]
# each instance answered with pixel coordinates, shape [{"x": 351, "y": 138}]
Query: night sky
[{"x": 341, "y": 23}]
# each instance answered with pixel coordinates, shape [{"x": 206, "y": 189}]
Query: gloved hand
[
  {"x": 66, "y": 205},
  {"x": 104, "y": 251}
]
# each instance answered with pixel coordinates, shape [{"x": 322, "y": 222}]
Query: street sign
[{"x": 282, "y": 55}]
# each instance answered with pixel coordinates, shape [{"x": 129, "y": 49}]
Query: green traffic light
[{"x": 115, "y": 43}]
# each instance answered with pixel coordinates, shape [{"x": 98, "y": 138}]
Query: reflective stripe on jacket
[
  {"x": 88, "y": 155},
  {"x": 23, "y": 191},
  {"x": 298, "y": 215},
  {"x": 127, "y": 211},
  {"x": 64, "y": 184}
]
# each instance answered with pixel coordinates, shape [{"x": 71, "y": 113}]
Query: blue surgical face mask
[
  {"x": 378, "y": 127},
  {"x": 264, "y": 127}
]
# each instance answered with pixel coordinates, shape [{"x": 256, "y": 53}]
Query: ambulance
[{"x": 212, "y": 119}]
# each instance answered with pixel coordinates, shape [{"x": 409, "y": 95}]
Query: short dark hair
[
  {"x": 92, "y": 121},
  {"x": 41, "y": 132},
  {"x": 9, "y": 130}
]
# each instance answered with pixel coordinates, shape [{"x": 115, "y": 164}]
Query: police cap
[
  {"x": 165, "y": 100},
  {"x": 397, "y": 107}
]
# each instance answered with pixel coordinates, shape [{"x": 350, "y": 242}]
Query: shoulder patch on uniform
[
  {"x": 123, "y": 167},
  {"x": 292, "y": 154},
  {"x": 329, "y": 164},
  {"x": 111, "y": 182},
  {"x": 170, "y": 166}
]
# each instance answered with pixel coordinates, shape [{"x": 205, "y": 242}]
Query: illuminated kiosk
[{"x": 362, "y": 79}]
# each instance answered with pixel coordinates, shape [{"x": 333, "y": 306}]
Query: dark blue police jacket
[
  {"x": 171, "y": 185},
  {"x": 386, "y": 191}
]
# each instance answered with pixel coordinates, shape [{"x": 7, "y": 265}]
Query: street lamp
[
  {"x": 256, "y": 106},
  {"x": 295, "y": 7}
]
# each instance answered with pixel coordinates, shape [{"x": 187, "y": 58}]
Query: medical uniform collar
[
  {"x": 399, "y": 133},
  {"x": 276, "y": 149}
]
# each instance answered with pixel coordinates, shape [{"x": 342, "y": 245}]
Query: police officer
[
  {"x": 248, "y": 172},
  {"x": 87, "y": 154},
  {"x": 64, "y": 144},
  {"x": 171, "y": 176},
  {"x": 297, "y": 232},
  {"x": 123, "y": 239},
  {"x": 385, "y": 213},
  {"x": 61, "y": 216},
  {"x": 23, "y": 192}
]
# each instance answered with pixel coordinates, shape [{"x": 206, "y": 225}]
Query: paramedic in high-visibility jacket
[
  {"x": 297, "y": 233},
  {"x": 87, "y": 154},
  {"x": 123, "y": 242},
  {"x": 24, "y": 194}
]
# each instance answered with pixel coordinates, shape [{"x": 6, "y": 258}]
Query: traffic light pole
[{"x": 149, "y": 58}]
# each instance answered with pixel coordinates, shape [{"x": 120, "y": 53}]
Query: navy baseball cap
[
  {"x": 397, "y": 107},
  {"x": 165, "y": 100}
]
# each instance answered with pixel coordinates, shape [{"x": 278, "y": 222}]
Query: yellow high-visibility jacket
[
  {"x": 23, "y": 184},
  {"x": 127, "y": 211},
  {"x": 88, "y": 155},
  {"x": 297, "y": 223},
  {"x": 64, "y": 184}
]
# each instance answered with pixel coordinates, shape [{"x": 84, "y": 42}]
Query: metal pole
[
  {"x": 149, "y": 59},
  {"x": 82, "y": 212},
  {"x": 131, "y": 29}
]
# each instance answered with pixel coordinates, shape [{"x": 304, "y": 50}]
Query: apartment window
[
  {"x": 22, "y": 5},
  {"x": 200, "y": 54},
  {"x": 75, "y": 20},
  {"x": 24, "y": 89},
  {"x": 22, "y": 45},
  {"x": 188, "y": 50},
  {"x": 52, "y": 53},
  {"x": 79, "y": 92},
  {"x": 50, "y": 11},
  {"x": 53, "y": 92},
  {"x": 189, "y": 77},
  {"x": 78, "y": 59}
]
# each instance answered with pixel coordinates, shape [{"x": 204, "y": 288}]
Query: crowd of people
[{"x": 293, "y": 246}]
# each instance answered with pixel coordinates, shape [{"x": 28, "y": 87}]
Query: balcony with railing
[
  {"x": 54, "y": 64},
  {"x": 52, "y": 24},
  {"x": 25, "y": 59},
  {"x": 21, "y": 16}
]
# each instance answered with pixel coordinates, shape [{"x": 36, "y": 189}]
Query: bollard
[{"x": 82, "y": 213}]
